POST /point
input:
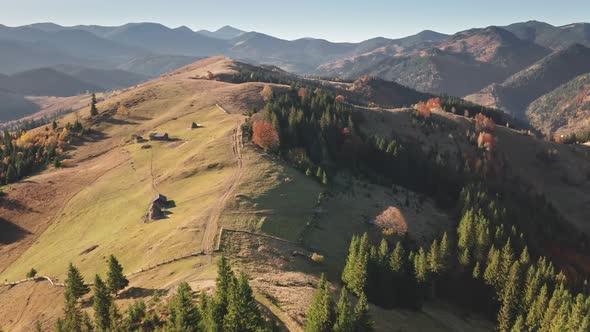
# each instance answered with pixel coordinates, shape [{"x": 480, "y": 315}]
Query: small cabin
[
  {"x": 158, "y": 136},
  {"x": 160, "y": 200}
]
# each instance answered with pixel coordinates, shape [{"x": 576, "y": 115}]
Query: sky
[{"x": 335, "y": 20}]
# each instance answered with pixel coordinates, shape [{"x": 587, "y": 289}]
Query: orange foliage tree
[
  {"x": 265, "y": 135},
  {"x": 483, "y": 123}
]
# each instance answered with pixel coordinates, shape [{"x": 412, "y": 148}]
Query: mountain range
[{"x": 482, "y": 63}]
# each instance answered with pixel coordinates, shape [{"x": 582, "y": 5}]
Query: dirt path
[{"x": 211, "y": 230}]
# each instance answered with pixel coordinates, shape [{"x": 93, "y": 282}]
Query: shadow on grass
[{"x": 10, "y": 232}]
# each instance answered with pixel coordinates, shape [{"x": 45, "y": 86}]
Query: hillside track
[{"x": 212, "y": 227}]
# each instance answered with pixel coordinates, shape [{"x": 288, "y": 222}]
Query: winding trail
[{"x": 211, "y": 230}]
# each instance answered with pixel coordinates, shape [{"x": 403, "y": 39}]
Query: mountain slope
[
  {"x": 519, "y": 90},
  {"x": 565, "y": 110},
  {"x": 105, "y": 79},
  {"x": 457, "y": 65},
  {"x": 45, "y": 82},
  {"x": 160, "y": 39},
  {"x": 550, "y": 36}
]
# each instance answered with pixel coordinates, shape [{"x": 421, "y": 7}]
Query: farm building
[
  {"x": 160, "y": 200},
  {"x": 158, "y": 136}
]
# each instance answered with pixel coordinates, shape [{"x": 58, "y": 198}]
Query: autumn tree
[
  {"x": 266, "y": 92},
  {"x": 265, "y": 135}
]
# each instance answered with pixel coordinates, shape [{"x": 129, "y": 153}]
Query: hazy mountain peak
[{"x": 226, "y": 32}]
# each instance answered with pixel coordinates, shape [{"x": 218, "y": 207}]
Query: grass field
[{"x": 110, "y": 213}]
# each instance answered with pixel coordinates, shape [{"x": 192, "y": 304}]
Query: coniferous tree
[
  {"x": 578, "y": 312},
  {"x": 183, "y": 313},
  {"x": 72, "y": 313},
  {"x": 445, "y": 252},
  {"x": 93, "y": 109},
  {"x": 509, "y": 299},
  {"x": 506, "y": 261},
  {"x": 362, "y": 317},
  {"x": 531, "y": 288},
  {"x": 116, "y": 280},
  {"x": 225, "y": 278},
  {"x": 102, "y": 305},
  {"x": 320, "y": 315},
  {"x": 492, "y": 271},
  {"x": 421, "y": 266},
  {"x": 75, "y": 282},
  {"x": 433, "y": 259},
  {"x": 537, "y": 311},
  {"x": 518, "y": 325},
  {"x": 242, "y": 312},
  {"x": 345, "y": 320}
]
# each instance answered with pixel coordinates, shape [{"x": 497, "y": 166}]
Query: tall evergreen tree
[
  {"x": 73, "y": 314},
  {"x": 75, "y": 282},
  {"x": 445, "y": 252},
  {"x": 535, "y": 314},
  {"x": 242, "y": 312},
  {"x": 362, "y": 317},
  {"x": 509, "y": 299},
  {"x": 183, "y": 313},
  {"x": 93, "y": 109},
  {"x": 102, "y": 305},
  {"x": 320, "y": 315},
  {"x": 345, "y": 320},
  {"x": 116, "y": 280}
]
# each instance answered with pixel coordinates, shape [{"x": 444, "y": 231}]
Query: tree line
[
  {"x": 484, "y": 266},
  {"x": 232, "y": 308},
  {"x": 24, "y": 152}
]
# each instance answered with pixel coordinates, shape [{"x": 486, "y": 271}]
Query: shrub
[
  {"x": 32, "y": 273},
  {"x": 317, "y": 258}
]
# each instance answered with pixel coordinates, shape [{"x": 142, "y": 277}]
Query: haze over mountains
[{"x": 462, "y": 64}]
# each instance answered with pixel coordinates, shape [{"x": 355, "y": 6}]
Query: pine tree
[
  {"x": 577, "y": 313},
  {"x": 445, "y": 252},
  {"x": 242, "y": 312},
  {"x": 506, "y": 261},
  {"x": 75, "y": 282},
  {"x": 491, "y": 273},
  {"x": 93, "y": 109},
  {"x": 397, "y": 260},
  {"x": 433, "y": 259},
  {"x": 73, "y": 314},
  {"x": 351, "y": 260},
  {"x": 509, "y": 299},
  {"x": 183, "y": 314},
  {"x": 225, "y": 278},
  {"x": 537, "y": 311},
  {"x": 421, "y": 266},
  {"x": 518, "y": 325},
  {"x": 525, "y": 258},
  {"x": 116, "y": 281},
  {"x": 362, "y": 318},
  {"x": 531, "y": 289},
  {"x": 358, "y": 275},
  {"x": 102, "y": 305},
  {"x": 345, "y": 319},
  {"x": 320, "y": 315},
  {"x": 324, "y": 178}
]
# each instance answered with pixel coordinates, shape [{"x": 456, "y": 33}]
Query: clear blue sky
[{"x": 336, "y": 20}]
